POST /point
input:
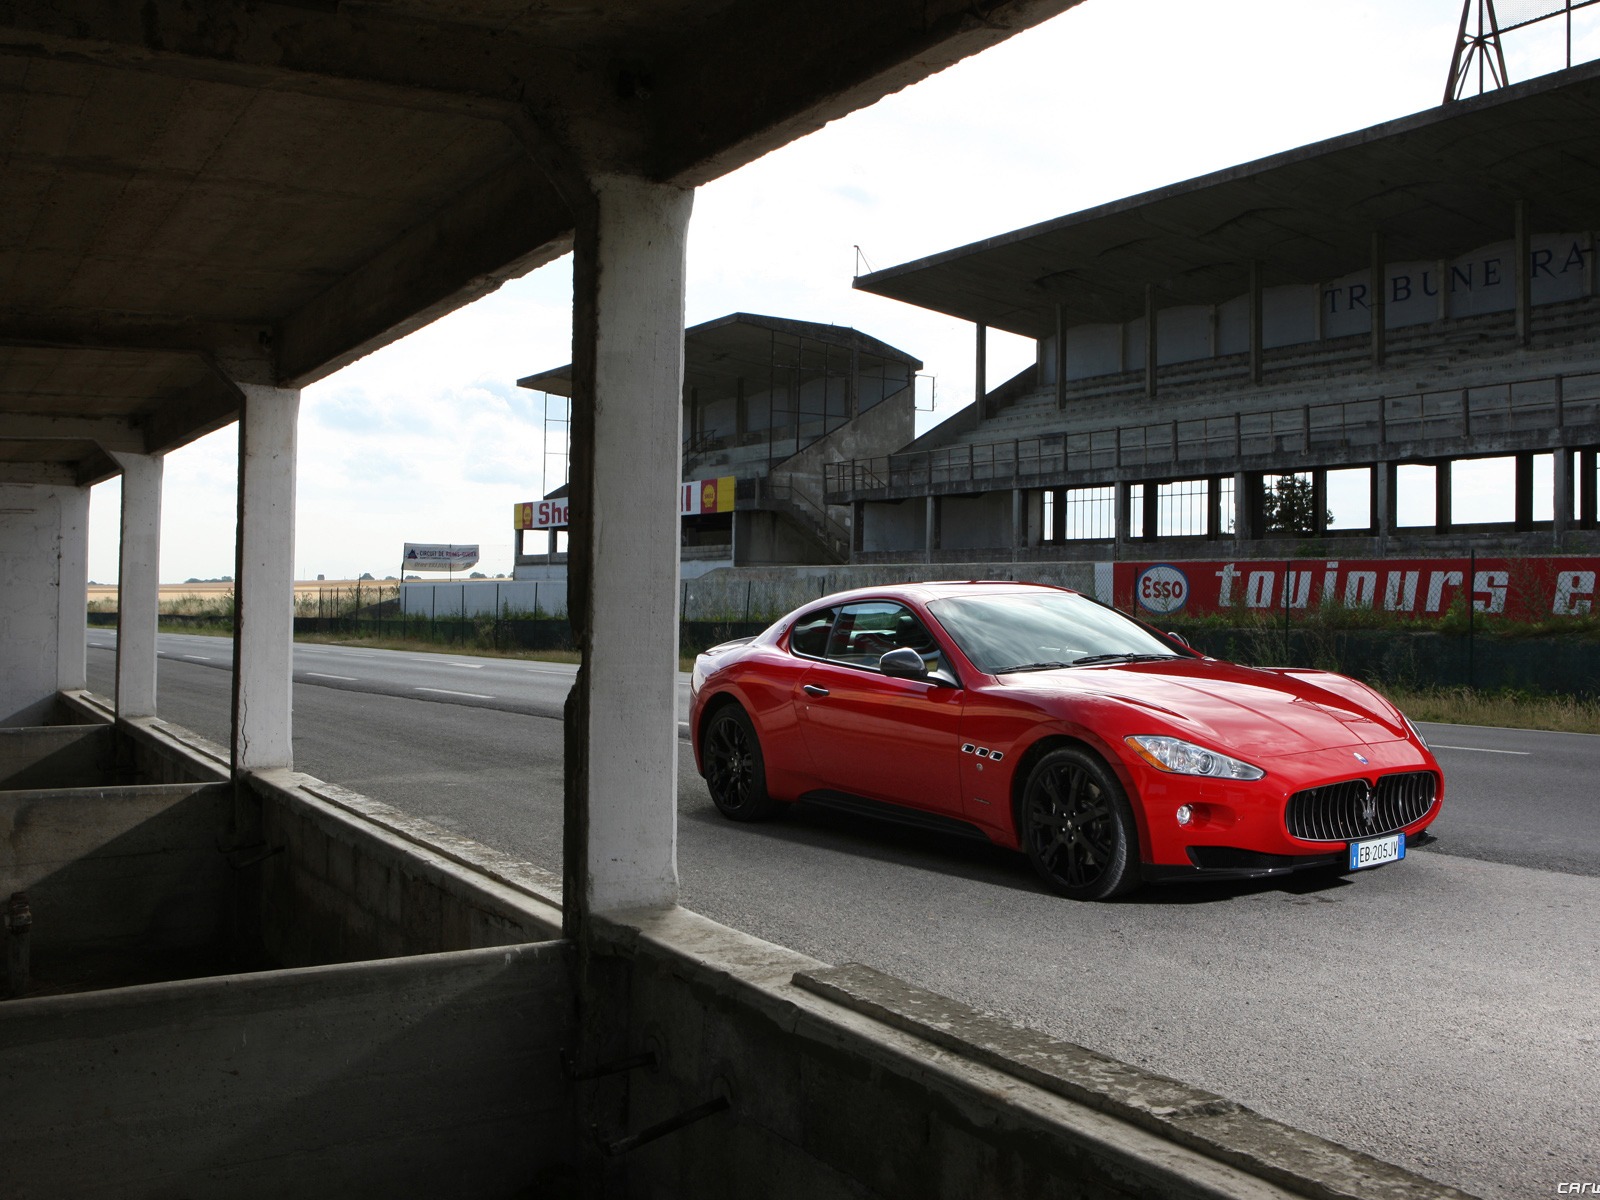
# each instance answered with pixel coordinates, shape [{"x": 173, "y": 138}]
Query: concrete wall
[
  {"x": 42, "y": 535},
  {"x": 765, "y": 538},
  {"x": 774, "y": 591},
  {"x": 485, "y": 597},
  {"x": 423, "y": 1077},
  {"x": 57, "y": 756},
  {"x": 350, "y": 878},
  {"x": 901, "y": 525},
  {"x": 975, "y": 522},
  {"x": 129, "y": 871}
]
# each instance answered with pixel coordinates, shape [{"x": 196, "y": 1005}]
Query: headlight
[
  {"x": 1416, "y": 733},
  {"x": 1185, "y": 758}
]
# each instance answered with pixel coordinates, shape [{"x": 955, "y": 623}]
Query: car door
[{"x": 874, "y": 735}]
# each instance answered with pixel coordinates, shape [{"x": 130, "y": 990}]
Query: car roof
[{"x": 923, "y": 592}]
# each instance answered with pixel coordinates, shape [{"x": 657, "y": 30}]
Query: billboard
[
  {"x": 1414, "y": 588},
  {"x": 696, "y": 497},
  {"x": 423, "y": 556}
]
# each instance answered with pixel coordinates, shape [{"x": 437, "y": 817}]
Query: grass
[{"x": 1508, "y": 710}]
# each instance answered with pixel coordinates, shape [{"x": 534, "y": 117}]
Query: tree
[
  {"x": 365, "y": 575},
  {"x": 1289, "y": 507}
]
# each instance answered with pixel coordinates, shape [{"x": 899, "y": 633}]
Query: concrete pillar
[
  {"x": 930, "y": 537},
  {"x": 1121, "y": 514},
  {"x": 1242, "y": 508},
  {"x": 1061, "y": 357},
  {"x": 1152, "y": 342},
  {"x": 263, "y": 588},
  {"x": 981, "y": 373},
  {"x": 1562, "y": 499},
  {"x": 1256, "y": 309},
  {"x": 72, "y": 590},
  {"x": 1378, "y": 304},
  {"x": 1523, "y": 276},
  {"x": 1384, "y": 501},
  {"x": 1589, "y": 476},
  {"x": 622, "y": 716},
  {"x": 138, "y": 584},
  {"x": 1442, "y": 518},
  {"x": 1018, "y": 533},
  {"x": 1150, "y": 524},
  {"x": 1524, "y": 491}
]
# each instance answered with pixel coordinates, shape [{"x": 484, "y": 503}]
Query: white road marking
[
  {"x": 468, "y": 666},
  {"x": 1483, "y": 750},
  {"x": 197, "y": 657},
  {"x": 320, "y": 675},
  {"x": 448, "y": 692}
]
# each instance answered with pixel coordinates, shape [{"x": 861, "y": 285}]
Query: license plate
[{"x": 1377, "y": 852}]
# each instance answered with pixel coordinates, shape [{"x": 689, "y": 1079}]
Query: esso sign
[{"x": 1162, "y": 589}]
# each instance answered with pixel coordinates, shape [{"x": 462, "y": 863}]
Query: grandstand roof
[
  {"x": 718, "y": 352},
  {"x": 1434, "y": 184}
]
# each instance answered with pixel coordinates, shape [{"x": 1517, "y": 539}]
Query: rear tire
[
  {"x": 735, "y": 772},
  {"x": 1077, "y": 828}
]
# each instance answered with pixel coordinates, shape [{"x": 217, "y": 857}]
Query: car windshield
[{"x": 1040, "y": 631}]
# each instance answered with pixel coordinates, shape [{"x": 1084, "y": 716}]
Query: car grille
[{"x": 1342, "y": 812}]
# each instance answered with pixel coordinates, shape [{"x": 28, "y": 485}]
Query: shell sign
[
  {"x": 696, "y": 497},
  {"x": 705, "y": 496}
]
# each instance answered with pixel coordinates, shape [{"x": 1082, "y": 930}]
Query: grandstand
[{"x": 1404, "y": 320}]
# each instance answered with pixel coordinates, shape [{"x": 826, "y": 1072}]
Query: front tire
[
  {"x": 1077, "y": 828},
  {"x": 734, "y": 770}
]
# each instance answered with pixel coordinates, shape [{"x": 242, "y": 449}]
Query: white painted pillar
[
  {"x": 72, "y": 590},
  {"x": 622, "y": 736},
  {"x": 263, "y": 588},
  {"x": 138, "y": 584}
]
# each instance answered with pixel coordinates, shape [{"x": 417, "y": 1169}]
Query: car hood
[{"x": 1248, "y": 711}]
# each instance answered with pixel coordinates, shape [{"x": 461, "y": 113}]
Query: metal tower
[{"x": 1478, "y": 40}]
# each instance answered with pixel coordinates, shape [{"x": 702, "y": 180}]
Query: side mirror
[
  {"x": 1179, "y": 638},
  {"x": 903, "y": 663}
]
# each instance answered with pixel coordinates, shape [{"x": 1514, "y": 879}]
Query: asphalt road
[{"x": 1443, "y": 1012}]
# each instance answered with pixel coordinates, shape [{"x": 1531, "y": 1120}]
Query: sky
[{"x": 430, "y": 439}]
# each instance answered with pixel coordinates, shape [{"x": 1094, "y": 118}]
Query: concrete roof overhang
[
  {"x": 717, "y": 353},
  {"x": 1433, "y": 185},
  {"x": 198, "y": 196}
]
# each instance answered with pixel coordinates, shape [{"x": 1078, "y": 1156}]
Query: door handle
[{"x": 812, "y": 689}]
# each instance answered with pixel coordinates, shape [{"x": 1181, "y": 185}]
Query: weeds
[{"x": 1507, "y": 709}]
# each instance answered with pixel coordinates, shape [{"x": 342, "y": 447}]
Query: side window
[
  {"x": 866, "y": 631},
  {"x": 810, "y": 633}
]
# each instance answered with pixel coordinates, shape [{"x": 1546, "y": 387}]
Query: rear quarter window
[{"x": 810, "y": 633}]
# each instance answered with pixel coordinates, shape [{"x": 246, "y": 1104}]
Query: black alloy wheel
[
  {"x": 735, "y": 776},
  {"x": 1077, "y": 828}
]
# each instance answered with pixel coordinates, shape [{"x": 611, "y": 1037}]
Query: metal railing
[{"x": 1485, "y": 411}]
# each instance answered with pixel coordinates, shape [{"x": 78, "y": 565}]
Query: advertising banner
[
  {"x": 696, "y": 497},
  {"x": 421, "y": 556},
  {"x": 1414, "y": 588}
]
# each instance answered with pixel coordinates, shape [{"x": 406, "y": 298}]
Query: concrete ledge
[
  {"x": 1218, "y": 1127},
  {"x": 350, "y": 879},
  {"x": 852, "y": 1083}
]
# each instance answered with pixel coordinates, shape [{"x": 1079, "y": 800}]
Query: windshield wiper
[
  {"x": 1038, "y": 666},
  {"x": 1092, "y": 659}
]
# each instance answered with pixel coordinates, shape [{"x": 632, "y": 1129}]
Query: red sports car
[{"x": 1047, "y": 722}]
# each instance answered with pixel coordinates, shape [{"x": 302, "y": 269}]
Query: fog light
[{"x": 1185, "y": 814}]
